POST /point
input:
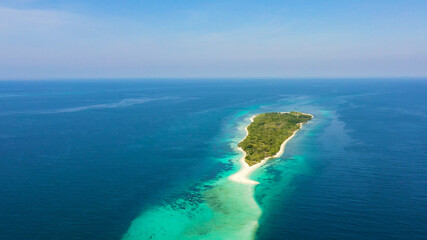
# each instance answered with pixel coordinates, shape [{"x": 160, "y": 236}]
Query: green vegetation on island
[{"x": 268, "y": 131}]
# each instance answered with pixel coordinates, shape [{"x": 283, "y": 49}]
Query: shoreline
[{"x": 242, "y": 176}]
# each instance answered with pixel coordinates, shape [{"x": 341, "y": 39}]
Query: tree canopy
[{"x": 267, "y": 133}]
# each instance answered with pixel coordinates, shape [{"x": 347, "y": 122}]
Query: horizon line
[{"x": 212, "y": 78}]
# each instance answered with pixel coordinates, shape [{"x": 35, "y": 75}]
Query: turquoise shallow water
[
  {"x": 223, "y": 210},
  {"x": 150, "y": 160}
]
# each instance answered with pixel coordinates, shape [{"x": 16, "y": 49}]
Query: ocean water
[{"x": 150, "y": 160}]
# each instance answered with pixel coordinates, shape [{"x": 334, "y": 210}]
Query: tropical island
[{"x": 267, "y": 133}]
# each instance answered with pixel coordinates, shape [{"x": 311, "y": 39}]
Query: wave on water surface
[
  {"x": 127, "y": 102},
  {"x": 122, "y": 103}
]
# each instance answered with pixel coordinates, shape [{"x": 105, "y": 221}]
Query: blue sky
[{"x": 212, "y": 39}]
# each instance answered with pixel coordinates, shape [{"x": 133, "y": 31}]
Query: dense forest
[{"x": 268, "y": 131}]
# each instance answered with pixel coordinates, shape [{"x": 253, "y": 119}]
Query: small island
[{"x": 268, "y": 132}]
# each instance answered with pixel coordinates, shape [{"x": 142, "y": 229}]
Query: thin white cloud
[{"x": 14, "y": 21}]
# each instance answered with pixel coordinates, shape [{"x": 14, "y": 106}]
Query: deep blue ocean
[{"x": 149, "y": 159}]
